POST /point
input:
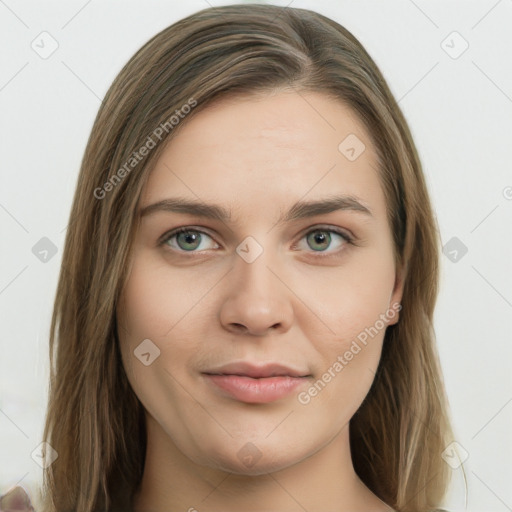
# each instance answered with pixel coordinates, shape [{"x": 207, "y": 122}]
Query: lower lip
[{"x": 257, "y": 391}]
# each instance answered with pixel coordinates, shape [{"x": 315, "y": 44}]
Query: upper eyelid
[{"x": 327, "y": 227}]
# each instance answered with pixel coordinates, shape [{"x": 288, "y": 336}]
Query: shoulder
[{"x": 17, "y": 500}]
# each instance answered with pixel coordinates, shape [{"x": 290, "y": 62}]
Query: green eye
[
  {"x": 186, "y": 239},
  {"x": 192, "y": 240},
  {"x": 321, "y": 239}
]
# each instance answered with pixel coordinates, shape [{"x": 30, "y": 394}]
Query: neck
[{"x": 324, "y": 481}]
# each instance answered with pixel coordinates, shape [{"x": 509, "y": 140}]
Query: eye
[
  {"x": 320, "y": 239},
  {"x": 186, "y": 239}
]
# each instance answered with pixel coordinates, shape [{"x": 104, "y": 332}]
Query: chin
[
  {"x": 254, "y": 458},
  {"x": 262, "y": 467}
]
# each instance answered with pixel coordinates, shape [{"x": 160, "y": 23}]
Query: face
[{"x": 311, "y": 289}]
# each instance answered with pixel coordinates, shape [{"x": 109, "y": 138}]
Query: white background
[{"x": 460, "y": 113}]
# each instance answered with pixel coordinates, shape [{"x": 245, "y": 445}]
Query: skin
[{"x": 257, "y": 156}]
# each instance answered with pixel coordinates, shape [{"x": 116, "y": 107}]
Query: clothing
[{"x": 16, "y": 500}]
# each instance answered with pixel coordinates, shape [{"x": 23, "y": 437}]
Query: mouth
[
  {"x": 256, "y": 390},
  {"x": 248, "y": 369},
  {"x": 246, "y": 382}
]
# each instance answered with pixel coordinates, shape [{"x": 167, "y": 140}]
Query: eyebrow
[{"x": 300, "y": 210}]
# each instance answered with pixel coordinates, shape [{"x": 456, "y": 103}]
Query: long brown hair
[{"x": 94, "y": 420}]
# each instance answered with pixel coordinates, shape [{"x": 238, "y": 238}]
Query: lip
[
  {"x": 255, "y": 390},
  {"x": 250, "y": 383},
  {"x": 257, "y": 371}
]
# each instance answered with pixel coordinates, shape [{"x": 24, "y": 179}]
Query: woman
[{"x": 243, "y": 319}]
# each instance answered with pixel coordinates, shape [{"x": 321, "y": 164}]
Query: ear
[{"x": 396, "y": 294}]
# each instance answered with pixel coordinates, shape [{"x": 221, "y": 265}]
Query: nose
[{"x": 258, "y": 298}]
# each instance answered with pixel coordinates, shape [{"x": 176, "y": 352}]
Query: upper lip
[{"x": 257, "y": 371}]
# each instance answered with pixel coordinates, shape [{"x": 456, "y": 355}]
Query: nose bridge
[
  {"x": 257, "y": 299},
  {"x": 252, "y": 265}
]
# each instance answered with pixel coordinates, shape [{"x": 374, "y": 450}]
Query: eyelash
[{"x": 321, "y": 254}]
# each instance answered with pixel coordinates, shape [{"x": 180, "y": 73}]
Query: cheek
[
  {"x": 159, "y": 305},
  {"x": 349, "y": 361},
  {"x": 145, "y": 314},
  {"x": 144, "y": 319},
  {"x": 155, "y": 299},
  {"x": 352, "y": 296},
  {"x": 354, "y": 306}
]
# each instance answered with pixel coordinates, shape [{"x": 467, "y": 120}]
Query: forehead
[{"x": 266, "y": 152}]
